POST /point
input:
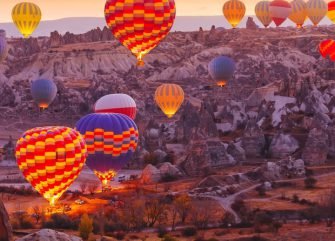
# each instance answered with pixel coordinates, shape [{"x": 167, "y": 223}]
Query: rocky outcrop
[
  {"x": 253, "y": 140},
  {"x": 236, "y": 151},
  {"x": 49, "y": 235},
  {"x": 283, "y": 145},
  {"x": 251, "y": 24},
  {"x": 6, "y": 232},
  {"x": 316, "y": 148},
  {"x": 331, "y": 135},
  {"x": 150, "y": 175},
  {"x": 167, "y": 169}
]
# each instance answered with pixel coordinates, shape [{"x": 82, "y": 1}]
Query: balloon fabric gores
[
  {"x": 44, "y": 92},
  {"x": 169, "y": 97}
]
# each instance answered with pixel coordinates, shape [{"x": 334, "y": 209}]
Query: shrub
[
  {"x": 61, "y": 221},
  {"x": 120, "y": 235},
  {"x": 161, "y": 231},
  {"x": 85, "y": 226},
  {"x": 310, "y": 182},
  {"x": 168, "y": 238},
  {"x": 168, "y": 178},
  {"x": 189, "y": 232}
]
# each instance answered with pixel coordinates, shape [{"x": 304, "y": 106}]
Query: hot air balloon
[
  {"x": 299, "y": 12},
  {"x": 279, "y": 11},
  {"x": 331, "y": 11},
  {"x": 44, "y": 92},
  {"x": 111, "y": 140},
  {"x": 140, "y": 25},
  {"x": 3, "y": 45},
  {"x": 51, "y": 158},
  {"x": 116, "y": 103},
  {"x": 221, "y": 69},
  {"x": 263, "y": 13},
  {"x": 327, "y": 48},
  {"x": 169, "y": 97},
  {"x": 316, "y": 10},
  {"x": 26, "y": 16},
  {"x": 234, "y": 11}
]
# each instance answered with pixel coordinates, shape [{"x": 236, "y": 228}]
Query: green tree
[{"x": 85, "y": 227}]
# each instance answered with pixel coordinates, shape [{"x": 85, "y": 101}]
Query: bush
[
  {"x": 168, "y": 238},
  {"x": 189, "y": 232},
  {"x": 85, "y": 227},
  {"x": 168, "y": 178},
  {"x": 61, "y": 221},
  {"x": 310, "y": 182},
  {"x": 120, "y": 235},
  {"x": 161, "y": 231}
]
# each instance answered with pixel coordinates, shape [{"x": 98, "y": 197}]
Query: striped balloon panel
[
  {"x": 327, "y": 48},
  {"x": 109, "y": 175},
  {"x": 26, "y": 16},
  {"x": 263, "y": 13},
  {"x": 316, "y": 10},
  {"x": 234, "y": 11},
  {"x": 279, "y": 11},
  {"x": 299, "y": 12},
  {"x": 169, "y": 97},
  {"x": 44, "y": 92},
  {"x": 3, "y": 45},
  {"x": 51, "y": 158},
  {"x": 140, "y": 24},
  {"x": 116, "y": 103},
  {"x": 111, "y": 140},
  {"x": 331, "y": 11}
]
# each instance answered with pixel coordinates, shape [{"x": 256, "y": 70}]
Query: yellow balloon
[
  {"x": 299, "y": 12},
  {"x": 26, "y": 16},
  {"x": 263, "y": 13},
  {"x": 331, "y": 11},
  {"x": 234, "y": 11},
  {"x": 316, "y": 10},
  {"x": 169, "y": 97}
]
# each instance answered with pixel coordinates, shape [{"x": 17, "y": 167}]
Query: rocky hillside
[{"x": 281, "y": 101}]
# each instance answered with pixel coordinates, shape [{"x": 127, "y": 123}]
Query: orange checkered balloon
[
  {"x": 51, "y": 158},
  {"x": 140, "y": 24}
]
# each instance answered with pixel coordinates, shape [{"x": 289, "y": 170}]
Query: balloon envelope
[
  {"x": 263, "y": 13},
  {"x": 51, "y": 158},
  {"x": 279, "y": 11},
  {"x": 111, "y": 140},
  {"x": 221, "y": 69},
  {"x": 116, "y": 103},
  {"x": 327, "y": 48},
  {"x": 140, "y": 25},
  {"x": 331, "y": 11},
  {"x": 44, "y": 92},
  {"x": 26, "y": 16},
  {"x": 234, "y": 11},
  {"x": 169, "y": 97},
  {"x": 299, "y": 12},
  {"x": 316, "y": 10}
]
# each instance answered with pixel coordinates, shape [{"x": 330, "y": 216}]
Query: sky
[{"x": 56, "y": 9}]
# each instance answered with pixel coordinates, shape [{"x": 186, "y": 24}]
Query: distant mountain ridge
[{"x": 84, "y": 24}]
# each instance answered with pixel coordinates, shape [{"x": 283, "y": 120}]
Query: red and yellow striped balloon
[
  {"x": 140, "y": 24},
  {"x": 51, "y": 158},
  {"x": 327, "y": 48}
]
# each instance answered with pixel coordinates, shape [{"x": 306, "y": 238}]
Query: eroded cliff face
[
  {"x": 6, "y": 232},
  {"x": 281, "y": 85}
]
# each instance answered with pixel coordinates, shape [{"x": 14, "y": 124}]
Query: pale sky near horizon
[{"x": 56, "y": 9}]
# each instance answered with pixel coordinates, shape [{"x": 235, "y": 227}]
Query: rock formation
[
  {"x": 6, "y": 232},
  {"x": 49, "y": 235},
  {"x": 251, "y": 24},
  {"x": 253, "y": 140},
  {"x": 283, "y": 145},
  {"x": 316, "y": 147},
  {"x": 150, "y": 175}
]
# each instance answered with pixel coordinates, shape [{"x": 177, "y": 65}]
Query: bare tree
[
  {"x": 201, "y": 216},
  {"x": 37, "y": 214},
  {"x": 155, "y": 211},
  {"x": 92, "y": 188},
  {"x": 83, "y": 187},
  {"x": 183, "y": 206}
]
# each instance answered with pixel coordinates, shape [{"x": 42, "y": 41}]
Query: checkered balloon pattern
[
  {"x": 51, "y": 158},
  {"x": 140, "y": 24}
]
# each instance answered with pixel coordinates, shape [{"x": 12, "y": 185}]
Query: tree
[
  {"x": 310, "y": 182},
  {"x": 92, "y": 188},
  {"x": 261, "y": 190},
  {"x": 155, "y": 211},
  {"x": 200, "y": 216},
  {"x": 37, "y": 213},
  {"x": 85, "y": 227},
  {"x": 83, "y": 187},
  {"x": 183, "y": 206}
]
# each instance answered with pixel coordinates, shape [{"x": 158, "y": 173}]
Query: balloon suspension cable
[{"x": 140, "y": 61}]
